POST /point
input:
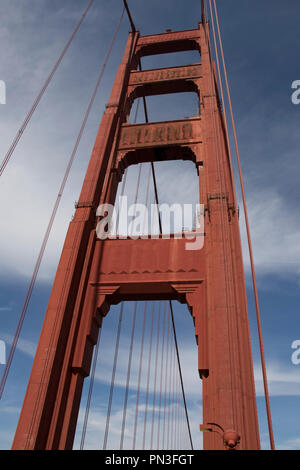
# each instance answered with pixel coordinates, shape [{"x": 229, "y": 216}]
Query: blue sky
[{"x": 260, "y": 43}]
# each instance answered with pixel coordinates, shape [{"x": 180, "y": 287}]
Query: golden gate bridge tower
[{"x": 94, "y": 274}]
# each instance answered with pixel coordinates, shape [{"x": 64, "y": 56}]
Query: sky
[{"x": 260, "y": 45}]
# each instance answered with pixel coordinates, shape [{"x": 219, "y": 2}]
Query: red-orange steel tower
[{"x": 93, "y": 274}]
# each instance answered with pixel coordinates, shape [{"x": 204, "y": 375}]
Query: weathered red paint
[{"x": 94, "y": 274}]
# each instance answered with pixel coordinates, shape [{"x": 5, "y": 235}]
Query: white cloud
[
  {"x": 97, "y": 422},
  {"x": 188, "y": 359},
  {"x": 275, "y": 234},
  {"x": 289, "y": 444},
  {"x": 282, "y": 381},
  {"x": 25, "y": 346}
]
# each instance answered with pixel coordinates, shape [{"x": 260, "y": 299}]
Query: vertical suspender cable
[
  {"x": 180, "y": 374},
  {"x": 41, "y": 93},
  {"x": 147, "y": 198},
  {"x": 169, "y": 395},
  {"x": 177, "y": 414},
  {"x": 173, "y": 422},
  {"x": 53, "y": 215},
  {"x": 203, "y": 11},
  {"x": 112, "y": 383},
  {"x": 155, "y": 375},
  {"x": 139, "y": 377},
  {"x": 128, "y": 376},
  {"x": 264, "y": 373},
  {"x": 120, "y": 205},
  {"x": 87, "y": 410},
  {"x": 148, "y": 376},
  {"x": 161, "y": 373},
  {"x": 166, "y": 382}
]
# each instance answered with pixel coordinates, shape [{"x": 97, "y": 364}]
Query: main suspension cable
[
  {"x": 41, "y": 93},
  {"x": 53, "y": 215}
]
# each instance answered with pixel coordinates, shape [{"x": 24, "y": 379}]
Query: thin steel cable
[
  {"x": 53, "y": 215},
  {"x": 180, "y": 374},
  {"x": 161, "y": 374},
  {"x": 177, "y": 416},
  {"x": 112, "y": 382},
  {"x": 173, "y": 399},
  {"x": 136, "y": 194},
  {"x": 129, "y": 16},
  {"x": 137, "y": 110},
  {"x": 120, "y": 206},
  {"x": 146, "y": 202},
  {"x": 169, "y": 396},
  {"x": 181, "y": 428},
  {"x": 156, "y": 197},
  {"x": 138, "y": 183},
  {"x": 139, "y": 170},
  {"x": 176, "y": 413},
  {"x": 139, "y": 377},
  {"x": 41, "y": 93},
  {"x": 128, "y": 377},
  {"x": 148, "y": 376},
  {"x": 155, "y": 375},
  {"x": 203, "y": 11},
  {"x": 264, "y": 372},
  {"x": 88, "y": 405},
  {"x": 166, "y": 382}
]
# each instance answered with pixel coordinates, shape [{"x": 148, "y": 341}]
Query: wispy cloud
[
  {"x": 25, "y": 346},
  {"x": 97, "y": 423},
  {"x": 275, "y": 231},
  {"x": 289, "y": 444},
  {"x": 282, "y": 381}
]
